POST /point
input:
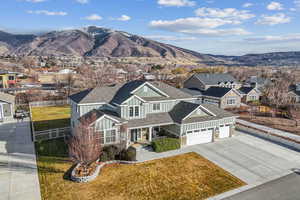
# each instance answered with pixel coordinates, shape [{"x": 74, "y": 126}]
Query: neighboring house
[
  {"x": 249, "y": 94},
  {"x": 7, "y": 107},
  {"x": 7, "y": 79},
  {"x": 138, "y": 110},
  {"x": 294, "y": 92},
  {"x": 204, "y": 81},
  {"x": 257, "y": 82},
  {"x": 225, "y": 98}
]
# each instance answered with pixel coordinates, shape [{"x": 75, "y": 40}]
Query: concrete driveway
[
  {"x": 249, "y": 158},
  {"x": 18, "y": 169}
]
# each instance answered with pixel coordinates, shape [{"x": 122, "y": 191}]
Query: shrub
[
  {"x": 129, "y": 154},
  {"x": 112, "y": 152},
  {"x": 165, "y": 144},
  {"x": 104, "y": 157}
]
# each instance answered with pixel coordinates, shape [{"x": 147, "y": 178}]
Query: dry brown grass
[
  {"x": 187, "y": 176},
  {"x": 274, "y": 122}
]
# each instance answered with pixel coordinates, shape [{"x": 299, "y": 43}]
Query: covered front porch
[{"x": 145, "y": 135}]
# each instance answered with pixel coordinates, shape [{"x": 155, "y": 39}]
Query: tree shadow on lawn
[{"x": 51, "y": 124}]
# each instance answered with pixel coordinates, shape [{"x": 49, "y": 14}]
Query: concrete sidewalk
[{"x": 18, "y": 169}]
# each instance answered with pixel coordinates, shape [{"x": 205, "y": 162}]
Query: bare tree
[
  {"x": 276, "y": 93},
  {"x": 69, "y": 80},
  {"x": 85, "y": 145}
]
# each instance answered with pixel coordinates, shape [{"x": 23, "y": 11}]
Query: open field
[
  {"x": 51, "y": 117},
  {"x": 187, "y": 176},
  {"x": 274, "y": 122}
]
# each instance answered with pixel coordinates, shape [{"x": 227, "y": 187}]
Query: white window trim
[
  {"x": 104, "y": 134},
  {"x": 158, "y": 110},
  {"x": 134, "y": 116},
  {"x": 229, "y": 103}
]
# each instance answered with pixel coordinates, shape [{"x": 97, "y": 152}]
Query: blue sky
[{"x": 233, "y": 27}]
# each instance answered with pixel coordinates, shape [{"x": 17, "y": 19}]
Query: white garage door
[
  {"x": 224, "y": 132},
  {"x": 199, "y": 137}
]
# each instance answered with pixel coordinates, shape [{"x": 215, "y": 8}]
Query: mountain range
[{"x": 102, "y": 42}]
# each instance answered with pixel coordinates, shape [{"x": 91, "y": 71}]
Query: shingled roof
[
  {"x": 245, "y": 90},
  {"x": 216, "y": 91},
  {"x": 215, "y": 79},
  {"x": 121, "y": 92}
]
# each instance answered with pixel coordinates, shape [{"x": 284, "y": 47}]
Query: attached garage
[
  {"x": 224, "y": 131},
  {"x": 199, "y": 136}
]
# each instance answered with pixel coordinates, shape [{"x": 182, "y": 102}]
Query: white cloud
[
  {"x": 279, "y": 18},
  {"x": 124, "y": 18},
  {"x": 177, "y": 3},
  {"x": 218, "y": 32},
  {"x": 229, "y": 13},
  {"x": 275, "y": 6},
  {"x": 200, "y": 26},
  {"x": 46, "y": 12},
  {"x": 190, "y": 23},
  {"x": 82, "y": 1},
  {"x": 270, "y": 38},
  {"x": 35, "y": 1},
  {"x": 169, "y": 38},
  {"x": 248, "y": 5},
  {"x": 93, "y": 17},
  {"x": 297, "y": 3}
]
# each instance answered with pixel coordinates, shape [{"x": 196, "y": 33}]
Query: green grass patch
[
  {"x": 165, "y": 144},
  {"x": 45, "y": 118},
  {"x": 53, "y": 148}
]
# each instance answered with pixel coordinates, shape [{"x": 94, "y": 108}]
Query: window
[
  {"x": 137, "y": 111},
  {"x": 130, "y": 111},
  {"x": 145, "y": 89},
  {"x": 231, "y": 101},
  {"x": 110, "y": 136},
  {"x": 252, "y": 98},
  {"x": 134, "y": 111},
  {"x": 156, "y": 106},
  {"x": 11, "y": 78}
]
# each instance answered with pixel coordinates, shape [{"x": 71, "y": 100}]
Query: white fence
[
  {"x": 51, "y": 134},
  {"x": 49, "y": 103}
]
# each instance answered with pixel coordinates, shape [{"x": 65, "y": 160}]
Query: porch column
[{"x": 150, "y": 134}]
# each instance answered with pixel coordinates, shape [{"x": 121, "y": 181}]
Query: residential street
[
  {"x": 285, "y": 188},
  {"x": 18, "y": 169}
]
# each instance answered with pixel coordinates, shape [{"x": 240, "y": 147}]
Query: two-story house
[
  {"x": 7, "y": 79},
  {"x": 294, "y": 93},
  {"x": 136, "y": 112},
  {"x": 218, "y": 89},
  {"x": 250, "y": 94}
]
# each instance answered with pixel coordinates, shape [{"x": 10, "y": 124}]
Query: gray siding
[
  {"x": 173, "y": 129},
  {"x": 105, "y": 124},
  {"x": 149, "y": 93},
  {"x": 164, "y": 106},
  {"x": 207, "y": 124},
  {"x": 87, "y": 108},
  {"x": 133, "y": 102}
]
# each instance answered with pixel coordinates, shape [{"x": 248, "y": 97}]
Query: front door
[{"x": 135, "y": 135}]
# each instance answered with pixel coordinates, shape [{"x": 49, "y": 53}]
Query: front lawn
[
  {"x": 51, "y": 117},
  {"x": 187, "y": 176}
]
